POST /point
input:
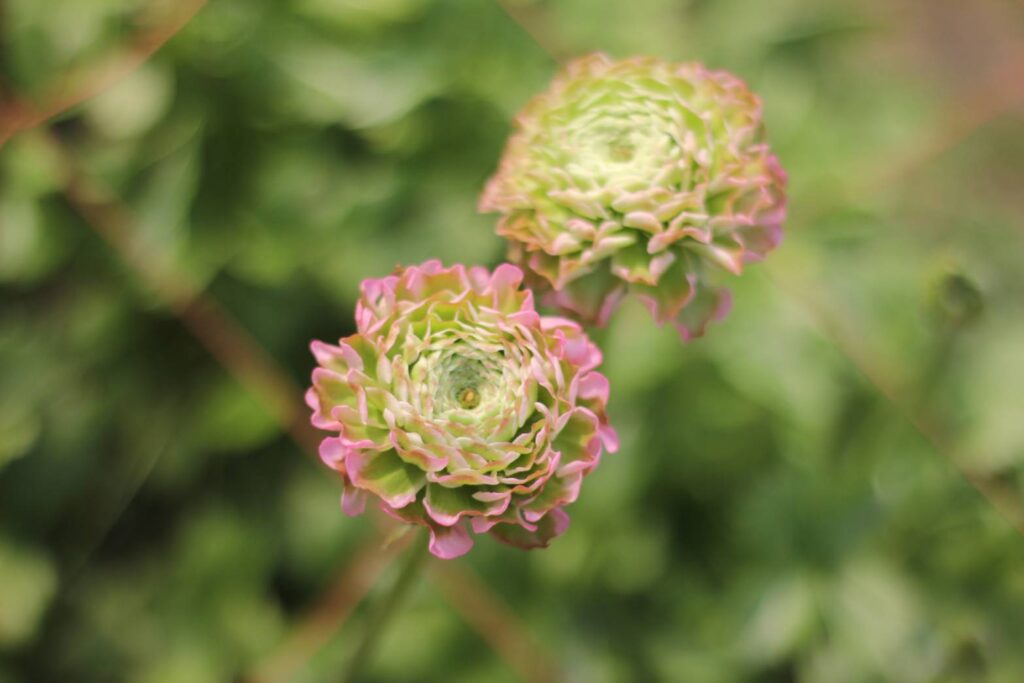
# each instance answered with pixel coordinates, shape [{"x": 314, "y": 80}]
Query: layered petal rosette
[
  {"x": 460, "y": 408},
  {"x": 639, "y": 176}
]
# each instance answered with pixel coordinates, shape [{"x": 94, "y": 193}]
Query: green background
[{"x": 825, "y": 488}]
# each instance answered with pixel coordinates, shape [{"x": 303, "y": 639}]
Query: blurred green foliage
[{"x": 773, "y": 515}]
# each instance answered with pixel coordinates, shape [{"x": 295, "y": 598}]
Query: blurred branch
[
  {"x": 82, "y": 84},
  {"x": 534, "y": 25},
  {"x": 994, "y": 95},
  {"x": 495, "y": 623},
  {"x": 208, "y": 322},
  {"x": 328, "y": 613},
  {"x": 479, "y": 606},
  {"x": 374, "y": 630},
  {"x": 107, "y": 512},
  {"x": 991, "y": 96},
  {"x": 1006, "y": 503}
]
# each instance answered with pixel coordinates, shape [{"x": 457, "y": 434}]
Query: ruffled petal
[
  {"x": 449, "y": 542},
  {"x": 385, "y": 475},
  {"x": 553, "y": 524}
]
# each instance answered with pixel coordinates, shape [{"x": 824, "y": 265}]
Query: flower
[
  {"x": 639, "y": 176},
  {"x": 459, "y": 407}
]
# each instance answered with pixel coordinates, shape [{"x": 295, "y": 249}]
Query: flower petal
[
  {"x": 449, "y": 542},
  {"x": 553, "y": 524},
  {"x": 446, "y": 506},
  {"x": 385, "y": 475}
]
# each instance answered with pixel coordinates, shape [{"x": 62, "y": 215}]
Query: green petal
[
  {"x": 446, "y": 504},
  {"x": 633, "y": 264},
  {"x": 674, "y": 291},
  {"x": 573, "y": 439},
  {"x": 552, "y": 524},
  {"x": 587, "y": 297},
  {"x": 386, "y": 475}
]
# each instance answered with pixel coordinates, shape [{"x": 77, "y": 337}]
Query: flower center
[
  {"x": 473, "y": 386},
  {"x": 468, "y": 398},
  {"x": 464, "y": 381},
  {"x": 621, "y": 150}
]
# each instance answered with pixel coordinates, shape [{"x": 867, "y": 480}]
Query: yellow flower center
[
  {"x": 621, "y": 150},
  {"x": 468, "y": 398}
]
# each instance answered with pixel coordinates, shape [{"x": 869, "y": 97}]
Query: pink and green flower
[
  {"x": 639, "y": 176},
  {"x": 460, "y": 408}
]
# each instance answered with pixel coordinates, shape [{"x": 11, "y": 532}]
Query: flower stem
[{"x": 388, "y": 605}]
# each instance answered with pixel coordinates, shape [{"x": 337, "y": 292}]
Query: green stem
[{"x": 378, "y": 620}]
